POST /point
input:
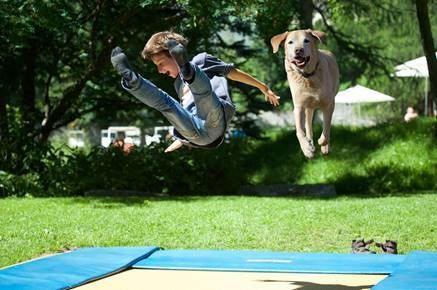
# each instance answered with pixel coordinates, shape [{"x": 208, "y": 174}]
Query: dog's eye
[
  {"x": 306, "y": 40},
  {"x": 290, "y": 42}
]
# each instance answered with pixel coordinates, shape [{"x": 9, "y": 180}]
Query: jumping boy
[{"x": 201, "y": 118}]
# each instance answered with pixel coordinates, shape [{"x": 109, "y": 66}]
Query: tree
[
  {"x": 59, "y": 57},
  {"x": 429, "y": 50},
  {"x": 54, "y": 55}
]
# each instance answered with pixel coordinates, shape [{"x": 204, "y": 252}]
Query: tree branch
[{"x": 364, "y": 52}]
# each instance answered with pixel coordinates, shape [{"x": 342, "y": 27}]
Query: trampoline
[{"x": 155, "y": 268}]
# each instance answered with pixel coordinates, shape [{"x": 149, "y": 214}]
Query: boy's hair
[{"x": 158, "y": 43}]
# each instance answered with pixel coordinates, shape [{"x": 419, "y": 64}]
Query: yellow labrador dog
[{"x": 313, "y": 77}]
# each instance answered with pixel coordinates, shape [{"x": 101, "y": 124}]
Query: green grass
[
  {"x": 30, "y": 227},
  {"x": 381, "y": 175},
  {"x": 387, "y": 158}
]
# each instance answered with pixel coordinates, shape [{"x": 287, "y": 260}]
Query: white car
[
  {"x": 129, "y": 134},
  {"x": 160, "y": 133}
]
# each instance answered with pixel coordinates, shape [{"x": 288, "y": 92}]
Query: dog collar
[{"x": 311, "y": 73}]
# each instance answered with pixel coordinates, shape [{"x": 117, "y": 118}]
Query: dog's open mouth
[{"x": 300, "y": 61}]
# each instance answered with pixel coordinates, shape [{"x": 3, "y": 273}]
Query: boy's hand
[
  {"x": 270, "y": 96},
  {"x": 174, "y": 146}
]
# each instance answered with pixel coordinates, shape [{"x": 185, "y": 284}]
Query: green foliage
[
  {"x": 20, "y": 185},
  {"x": 20, "y": 152},
  {"x": 387, "y": 158},
  {"x": 55, "y": 70},
  {"x": 389, "y": 27},
  {"x": 144, "y": 170}
]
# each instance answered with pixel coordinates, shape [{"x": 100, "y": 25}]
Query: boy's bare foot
[
  {"x": 179, "y": 54},
  {"x": 174, "y": 146}
]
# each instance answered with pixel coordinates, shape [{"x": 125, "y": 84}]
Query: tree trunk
[
  {"x": 65, "y": 103},
  {"x": 3, "y": 118},
  {"x": 28, "y": 86},
  {"x": 306, "y": 11},
  {"x": 55, "y": 118},
  {"x": 429, "y": 50}
]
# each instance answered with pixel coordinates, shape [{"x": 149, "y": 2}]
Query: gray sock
[
  {"x": 121, "y": 64},
  {"x": 179, "y": 54}
]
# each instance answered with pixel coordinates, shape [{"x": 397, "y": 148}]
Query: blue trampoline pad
[
  {"x": 418, "y": 271},
  {"x": 64, "y": 271},
  {"x": 271, "y": 262}
]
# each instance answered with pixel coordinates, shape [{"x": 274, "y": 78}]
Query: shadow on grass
[
  {"x": 353, "y": 150},
  {"x": 114, "y": 202},
  {"x": 275, "y": 161},
  {"x": 134, "y": 200},
  {"x": 384, "y": 180}
]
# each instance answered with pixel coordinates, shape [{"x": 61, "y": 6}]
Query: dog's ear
[
  {"x": 277, "y": 40},
  {"x": 321, "y": 36}
]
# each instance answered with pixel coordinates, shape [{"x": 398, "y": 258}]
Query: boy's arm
[{"x": 242, "y": 77}]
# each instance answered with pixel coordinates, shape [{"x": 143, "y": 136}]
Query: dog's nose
[{"x": 298, "y": 51}]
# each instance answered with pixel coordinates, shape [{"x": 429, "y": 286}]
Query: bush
[
  {"x": 145, "y": 169},
  {"x": 19, "y": 185},
  {"x": 387, "y": 158}
]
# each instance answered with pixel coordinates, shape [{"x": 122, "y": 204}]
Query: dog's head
[{"x": 300, "y": 47}]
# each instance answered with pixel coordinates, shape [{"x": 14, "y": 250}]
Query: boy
[{"x": 201, "y": 119}]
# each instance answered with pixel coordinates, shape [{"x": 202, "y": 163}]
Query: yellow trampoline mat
[{"x": 136, "y": 279}]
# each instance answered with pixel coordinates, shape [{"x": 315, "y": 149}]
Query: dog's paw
[
  {"x": 325, "y": 149},
  {"x": 323, "y": 140},
  {"x": 308, "y": 149},
  {"x": 308, "y": 154},
  {"x": 324, "y": 144}
]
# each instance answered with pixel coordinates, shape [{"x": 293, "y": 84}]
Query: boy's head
[
  {"x": 157, "y": 43},
  {"x": 156, "y": 50}
]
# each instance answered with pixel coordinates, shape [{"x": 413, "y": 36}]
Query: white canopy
[
  {"x": 360, "y": 94},
  {"x": 413, "y": 68}
]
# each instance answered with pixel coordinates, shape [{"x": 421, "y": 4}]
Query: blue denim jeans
[{"x": 201, "y": 126}]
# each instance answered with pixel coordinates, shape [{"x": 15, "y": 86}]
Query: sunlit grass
[
  {"x": 386, "y": 158},
  {"x": 30, "y": 227}
]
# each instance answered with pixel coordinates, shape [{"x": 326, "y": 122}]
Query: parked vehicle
[
  {"x": 76, "y": 138},
  {"x": 129, "y": 134},
  {"x": 160, "y": 133}
]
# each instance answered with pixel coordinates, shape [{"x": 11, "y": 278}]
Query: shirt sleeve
[{"x": 212, "y": 65}]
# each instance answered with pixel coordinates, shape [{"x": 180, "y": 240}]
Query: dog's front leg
[
  {"x": 306, "y": 146},
  {"x": 309, "y": 115},
  {"x": 324, "y": 139}
]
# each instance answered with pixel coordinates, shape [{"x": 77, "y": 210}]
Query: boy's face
[{"x": 165, "y": 64}]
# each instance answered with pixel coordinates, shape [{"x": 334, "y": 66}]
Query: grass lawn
[
  {"x": 30, "y": 227},
  {"x": 387, "y": 158}
]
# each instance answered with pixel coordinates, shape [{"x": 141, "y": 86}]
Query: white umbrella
[
  {"x": 413, "y": 68},
  {"x": 356, "y": 96},
  {"x": 417, "y": 67},
  {"x": 360, "y": 94}
]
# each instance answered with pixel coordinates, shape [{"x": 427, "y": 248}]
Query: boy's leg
[
  {"x": 185, "y": 122},
  {"x": 145, "y": 91},
  {"x": 208, "y": 105}
]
